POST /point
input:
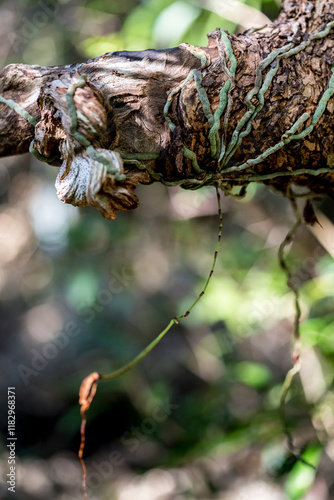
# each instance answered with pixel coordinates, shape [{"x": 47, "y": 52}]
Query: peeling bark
[{"x": 120, "y": 115}]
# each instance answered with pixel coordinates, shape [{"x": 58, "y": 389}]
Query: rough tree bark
[{"x": 106, "y": 125}]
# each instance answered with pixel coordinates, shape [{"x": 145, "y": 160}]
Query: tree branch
[{"x": 253, "y": 107}]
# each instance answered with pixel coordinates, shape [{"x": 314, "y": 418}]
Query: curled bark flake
[{"x": 72, "y": 132}]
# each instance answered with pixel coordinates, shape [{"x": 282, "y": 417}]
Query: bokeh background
[{"x": 198, "y": 418}]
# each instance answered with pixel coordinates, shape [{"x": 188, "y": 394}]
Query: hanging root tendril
[
  {"x": 86, "y": 395},
  {"x": 89, "y": 384},
  {"x": 291, "y": 284},
  {"x": 296, "y": 334}
]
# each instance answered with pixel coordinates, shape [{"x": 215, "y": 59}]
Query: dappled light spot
[
  {"x": 35, "y": 479},
  {"x": 51, "y": 220},
  {"x": 15, "y": 234},
  {"x": 39, "y": 274},
  {"x": 43, "y": 322},
  {"x": 155, "y": 484},
  {"x": 151, "y": 268}
]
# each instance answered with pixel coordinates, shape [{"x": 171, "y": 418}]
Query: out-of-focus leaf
[
  {"x": 82, "y": 288},
  {"x": 253, "y": 374},
  {"x": 302, "y": 476},
  {"x": 172, "y": 23}
]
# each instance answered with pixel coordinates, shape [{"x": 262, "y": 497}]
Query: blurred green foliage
[
  {"x": 302, "y": 477},
  {"x": 120, "y": 283},
  {"x": 63, "y": 31}
]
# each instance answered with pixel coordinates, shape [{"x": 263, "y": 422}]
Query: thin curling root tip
[{"x": 87, "y": 392}]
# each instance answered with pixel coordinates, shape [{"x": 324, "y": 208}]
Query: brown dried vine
[{"x": 86, "y": 395}]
